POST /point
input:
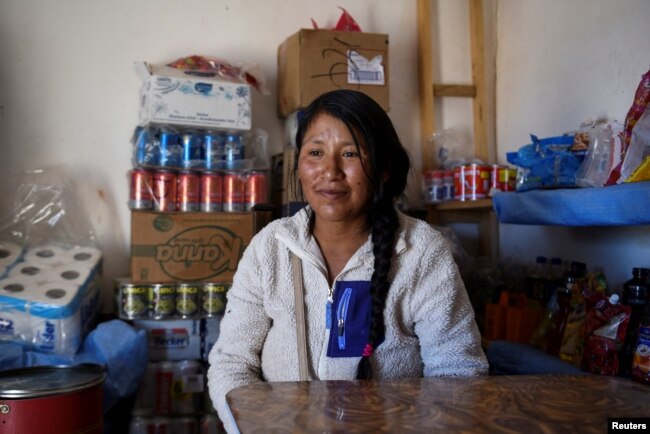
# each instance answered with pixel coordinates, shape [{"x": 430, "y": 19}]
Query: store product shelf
[{"x": 616, "y": 205}]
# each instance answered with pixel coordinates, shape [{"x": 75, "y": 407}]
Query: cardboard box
[
  {"x": 172, "y": 339},
  {"x": 312, "y": 62},
  {"x": 169, "y": 247},
  {"x": 170, "y": 96}
]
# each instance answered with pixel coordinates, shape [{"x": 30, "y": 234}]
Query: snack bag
[
  {"x": 605, "y": 328},
  {"x": 636, "y": 112}
]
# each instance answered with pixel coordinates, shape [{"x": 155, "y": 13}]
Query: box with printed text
[{"x": 312, "y": 62}]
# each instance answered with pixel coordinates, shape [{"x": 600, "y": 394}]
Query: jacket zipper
[
  {"x": 328, "y": 307},
  {"x": 342, "y": 314}
]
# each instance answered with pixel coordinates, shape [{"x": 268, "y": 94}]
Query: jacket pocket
[{"x": 350, "y": 316}]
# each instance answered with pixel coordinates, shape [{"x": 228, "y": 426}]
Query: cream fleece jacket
[{"x": 430, "y": 325}]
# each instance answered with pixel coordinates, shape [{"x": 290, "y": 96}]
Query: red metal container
[
  {"x": 257, "y": 187},
  {"x": 140, "y": 193},
  {"x": 164, "y": 190},
  {"x": 188, "y": 191},
  {"x": 52, "y": 400},
  {"x": 211, "y": 191},
  {"x": 233, "y": 192}
]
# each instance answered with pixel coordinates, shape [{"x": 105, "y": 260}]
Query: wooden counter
[{"x": 516, "y": 404}]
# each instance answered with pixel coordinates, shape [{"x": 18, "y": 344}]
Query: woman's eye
[
  {"x": 350, "y": 154},
  {"x": 313, "y": 153}
]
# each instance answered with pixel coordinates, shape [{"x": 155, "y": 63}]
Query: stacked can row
[
  {"x": 189, "y": 191},
  {"x": 172, "y": 148},
  {"x": 173, "y": 388},
  {"x": 171, "y": 300},
  {"x": 467, "y": 182}
]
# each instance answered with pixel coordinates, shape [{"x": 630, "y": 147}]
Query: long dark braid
[{"x": 389, "y": 166}]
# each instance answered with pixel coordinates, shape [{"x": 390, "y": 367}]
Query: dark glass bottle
[
  {"x": 573, "y": 280},
  {"x": 635, "y": 295}
]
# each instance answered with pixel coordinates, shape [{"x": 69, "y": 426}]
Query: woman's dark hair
[{"x": 369, "y": 125}]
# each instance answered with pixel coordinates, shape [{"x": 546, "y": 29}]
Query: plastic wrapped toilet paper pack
[{"x": 50, "y": 297}]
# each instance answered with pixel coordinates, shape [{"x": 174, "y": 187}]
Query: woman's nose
[{"x": 331, "y": 168}]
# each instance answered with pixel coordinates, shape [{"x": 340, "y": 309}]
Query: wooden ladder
[{"x": 478, "y": 211}]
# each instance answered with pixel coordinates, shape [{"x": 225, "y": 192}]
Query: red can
[
  {"x": 459, "y": 183},
  {"x": 188, "y": 191},
  {"x": 233, "y": 192},
  {"x": 477, "y": 180},
  {"x": 211, "y": 192},
  {"x": 164, "y": 190},
  {"x": 140, "y": 192},
  {"x": 163, "y": 388},
  {"x": 257, "y": 186},
  {"x": 503, "y": 178}
]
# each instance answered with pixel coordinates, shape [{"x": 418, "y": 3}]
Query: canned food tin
[
  {"x": 163, "y": 387},
  {"x": 211, "y": 192},
  {"x": 233, "y": 192},
  {"x": 164, "y": 190},
  {"x": 433, "y": 187},
  {"x": 134, "y": 300},
  {"x": 503, "y": 178},
  {"x": 257, "y": 185},
  {"x": 187, "y": 299},
  {"x": 459, "y": 183},
  {"x": 65, "y": 399},
  {"x": 162, "y": 300},
  {"x": 188, "y": 191},
  {"x": 140, "y": 194},
  {"x": 477, "y": 181},
  {"x": 214, "y": 298}
]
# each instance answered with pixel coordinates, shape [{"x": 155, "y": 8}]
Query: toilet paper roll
[
  {"x": 83, "y": 255},
  {"x": 48, "y": 296},
  {"x": 20, "y": 288},
  {"x": 10, "y": 253},
  {"x": 30, "y": 270},
  {"x": 47, "y": 254},
  {"x": 76, "y": 274}
]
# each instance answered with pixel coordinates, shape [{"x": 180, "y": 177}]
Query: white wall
[
  {"x": 68, "y": 92},
  {"x": 559, "y": 63}
]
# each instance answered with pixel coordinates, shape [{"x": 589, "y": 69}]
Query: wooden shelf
[{"x": 454, "y": 205}]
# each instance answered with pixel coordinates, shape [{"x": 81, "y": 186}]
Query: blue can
[
  {"x": 169, "y": 149},
  {"x": 142, "y": 141},
  {"x": 213, "y": 149},
  {"x": 233, "y": 150},
  {"x": 192, "y": 155}
]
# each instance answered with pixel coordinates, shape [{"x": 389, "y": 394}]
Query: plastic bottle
[
  {"x": 635, "y": 295},
  {"x": 537, "y": 280},
  {"x": 641, "y": 359}
]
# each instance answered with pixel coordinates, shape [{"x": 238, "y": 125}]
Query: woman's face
[{"x": 331, "y": 172}]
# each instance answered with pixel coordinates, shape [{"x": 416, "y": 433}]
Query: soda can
[
  {"x": 213, "y": 150},
  {"x": 233, "y": 150},
  {"x": 140, "y": 196},
  {"x": 134, "y": 300},
  {"x": 459, "y": 183},
  {"x": 477, "y": 181},
  {"x": 143, "y": 146},
  {"x": 188, "y": 191},
  {"x": 188, "y": 299},
  {"x": 214, "y": 298},
  {"x": 188, "y": 387},
  {"x": 257, "y": 186},
  {"x": 162, "y": 300},
  {"x": 145, "y": 397},
  {"x": 169, "y": 150},
  {"x": 233, "y": 192},
  {"x": 210, "y": 424},
  {"x": 164, "y": 382},
  {"x": 447, "y": 185},
  {"x": 185, "y": 425},
  {"x": 191, "y": 156},
  {"x": 211, "y": 192},
  {"x": 164, "y": 190}
]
